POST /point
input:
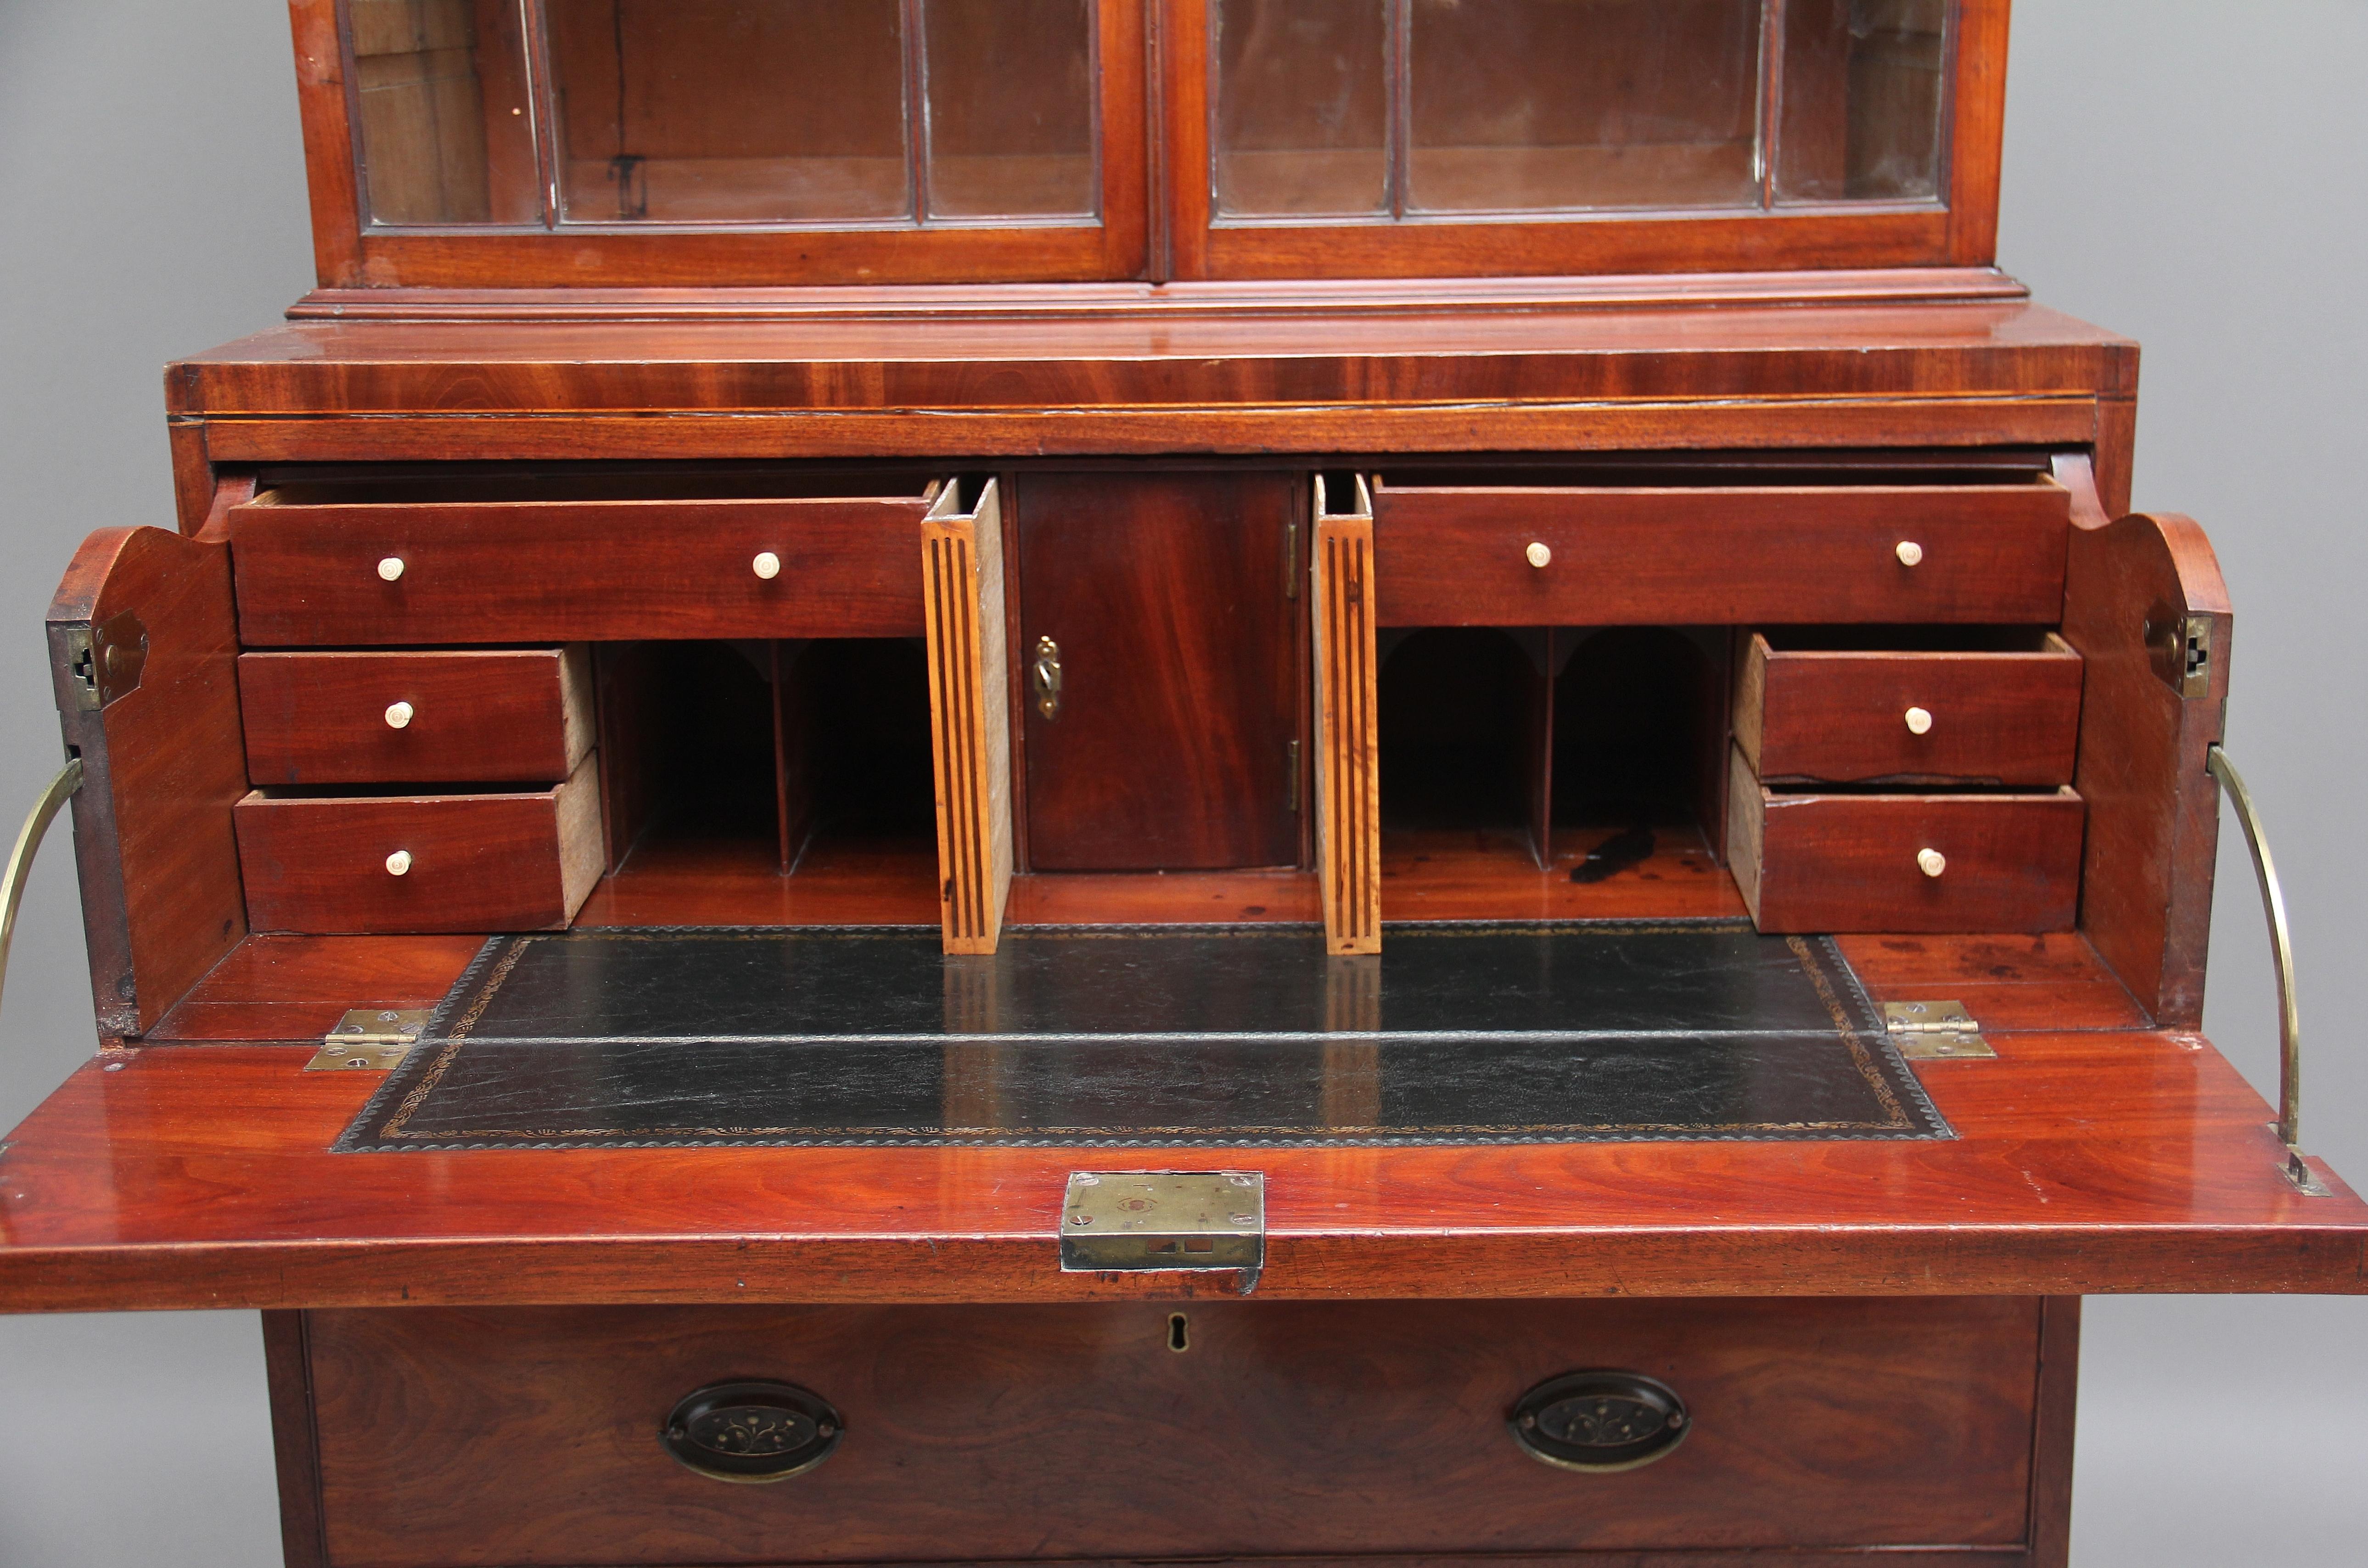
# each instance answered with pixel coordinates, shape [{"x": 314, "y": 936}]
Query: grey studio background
[{"x": 2190, "y": 174}]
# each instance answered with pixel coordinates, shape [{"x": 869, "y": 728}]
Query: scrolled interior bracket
[{"x": 2274, "y": 904}]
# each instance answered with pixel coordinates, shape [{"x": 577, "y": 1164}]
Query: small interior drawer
[
  {"x": 318, "y": 568},
  {"x": 1568, "y": 555},
  {"x": 510, "y": 716},
  {"x": 1993, "y": 707},
  {"x": 1853, "y": 862},
  {"x": 350, "y": 865}
]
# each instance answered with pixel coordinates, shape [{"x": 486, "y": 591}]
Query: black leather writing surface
[{"x": 1144, "y": 1036}]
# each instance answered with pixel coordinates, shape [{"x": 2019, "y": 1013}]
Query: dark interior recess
[
  {"x": 1638, "y": 727},
  {"x": 1905, "y": 639},
  {"x": 1461, "y": 717},
  {"x": 779, "y": 743}
]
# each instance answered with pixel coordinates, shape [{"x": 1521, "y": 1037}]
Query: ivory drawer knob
[
  {"x": 1932, "y": 862},
  {"x": 398, "y": 715},
  {"x": 391, "y": 568},
  {"x": 1910, "y": 553},
  {"x": 1919, "y": 722},
  {"x": 1538, "y": 554},
  {"x": 399, "y": 863},
  {"x": 766, "y": 566}
]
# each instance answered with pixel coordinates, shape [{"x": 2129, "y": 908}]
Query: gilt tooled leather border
[{"x": 1908, "y": 1112}]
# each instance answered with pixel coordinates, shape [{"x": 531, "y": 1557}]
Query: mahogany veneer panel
[
  {"x": 198, "y": 1176},
  {"x": 1283, "y": 1429},
  {"x": 739, "y": 882},
  {"x": 523, "y": 861},
  {"x": 1457, "y": 555},
  {"x": 1479, "y": 874},
  {"x": 492, "y": 717},
  {"x": 576, "y": 571},
  {"x": 1835, "y": 862},
  {"x": 154, "y": 848},
  {"x": 1839, "y": 717},
  {"x": 1176, "y": 745},
  {"x": 281, "y": 987}
]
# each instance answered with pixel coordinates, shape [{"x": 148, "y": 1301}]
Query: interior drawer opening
[
  {"x": 1551, "y": 772},
  {"x": 739, "y": 770}
]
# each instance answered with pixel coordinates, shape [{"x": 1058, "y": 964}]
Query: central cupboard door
[{"x": 1166, "y": 602}]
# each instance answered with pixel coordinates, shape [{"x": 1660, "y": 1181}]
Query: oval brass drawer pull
[
  {"x": 751, "y": 1432},
  {"x": 1600, "y": 1421}
]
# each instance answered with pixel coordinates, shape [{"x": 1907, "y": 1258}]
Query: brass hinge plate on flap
[
  {"x": 1934, "y": 1031},
  {"x": 106, "y": 659},
  {"x": 1144, "y": 1220},
  {"x": 369, "y": 1040}
]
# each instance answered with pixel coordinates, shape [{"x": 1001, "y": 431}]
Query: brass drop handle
[{"x": 1046, "y": 677}]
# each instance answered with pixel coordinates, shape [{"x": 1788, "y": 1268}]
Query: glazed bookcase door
[
  {"x": 508, "y": 143},
  {"x": 546, "y": 142},
  {"x": 1369, "y": 138},
  {"x": 1354, "y": 138}
]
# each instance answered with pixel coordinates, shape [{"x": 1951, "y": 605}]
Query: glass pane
[
  {"x": 729, "y": 111},
  {"x": 1862, "y": 93},
  {"x": 1530, "y": 105},
  {"x": 1011, "y": 109},
  {"x": 1301, "y": 108},
  {"x": 445, "y": 136}
]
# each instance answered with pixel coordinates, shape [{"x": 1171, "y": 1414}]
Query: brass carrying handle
[
  {"x": 20, "y": 859},
  {"x": 2273, "y": 903},
  {"x": 1046, "y": 677}
]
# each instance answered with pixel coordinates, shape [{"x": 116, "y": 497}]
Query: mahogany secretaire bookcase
[{"x": 1336, "y": 780}]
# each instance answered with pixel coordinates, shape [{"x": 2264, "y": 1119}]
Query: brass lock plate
[
  {"x": 1145, "y": 1220},
  {"x": 369, "y": 1040}
]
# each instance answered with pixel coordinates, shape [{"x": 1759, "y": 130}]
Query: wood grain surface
[
  {"x": 1283, "y": 1429},
  {"x": 1838, "y": 715},
  {"x": 1807, "y": 861},
  {"x": 568, "y": 570},
  {"x": 2154, "y": 811},
  {"x": 1182, "y": 665},
  {"x": 522, "y": 715},
  {"x": 1459, "y": 555},
  {"x": 2091, "y": 1161},
  {"x": 163, "y": 766},
  {"x": 519, "y": 862}
]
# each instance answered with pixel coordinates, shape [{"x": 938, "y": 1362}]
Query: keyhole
[{"x": 1177, "y": 1333}]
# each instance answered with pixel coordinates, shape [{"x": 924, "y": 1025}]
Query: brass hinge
[
  {"x": 1145, "y": 1220},
  {"x": 369, "y": 1040},
  {"x": 106, "y": 659},
  {"x": 1926, "y": 1031}
]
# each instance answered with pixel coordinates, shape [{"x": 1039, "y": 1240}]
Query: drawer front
[
  {"x": 566, "y": 571},
  {"x": 972, "y": 1433},
  {"x": 1467, "y": 557},
  {"x": 508, "y": 862},
  {"x": 1807, "y": 862},
  {"x": 313, "y": 718},
  {"x": 1846, "y": 717}
]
